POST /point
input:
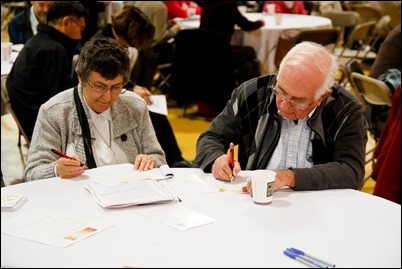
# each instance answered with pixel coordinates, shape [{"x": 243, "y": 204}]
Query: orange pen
[{"x": 231, "y": 160}]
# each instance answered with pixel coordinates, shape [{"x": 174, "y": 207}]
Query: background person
[
  {"x": 297, "y": 123},
  {"x": 222, "y": 17},
  {"x": 24, "y": 25},
  {"x": 289, "y": 7},
  {"x": 43, "y": 67},
  {"x": 131, "y": 27},
  {"x": 119, "y": 128}
]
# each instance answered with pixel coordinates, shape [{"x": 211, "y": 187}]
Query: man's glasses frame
[{"x": 293, "y": 103}]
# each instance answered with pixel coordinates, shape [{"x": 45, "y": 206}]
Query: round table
[{"x": 265, "y": 39}]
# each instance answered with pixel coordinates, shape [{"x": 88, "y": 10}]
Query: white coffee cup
[
  {"x": 6, "y": 48},
  {"x": 191, "y": 12},
  {"x": 242, "y": 9},
  {"x": 262, "y": 183},
  {"x": 271, "y": 9},
  {"x": 278, "y": 18}
]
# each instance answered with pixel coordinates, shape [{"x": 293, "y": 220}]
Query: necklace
[{"x": 108, "y": 144}]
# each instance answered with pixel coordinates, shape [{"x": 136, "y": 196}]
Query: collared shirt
[
  {"x": 294, "y": 148},
  {"x": 33, "y": 20},
  {"x": 105, "y": 149}
]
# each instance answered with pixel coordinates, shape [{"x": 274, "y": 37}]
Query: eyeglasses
[
  {"x": 102, "y": 88},
  {"x": 77, "y": 22},
  {"x": 293, "y": 103}
]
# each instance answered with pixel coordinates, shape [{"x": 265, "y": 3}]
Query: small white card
[
  {"x": 176, "y": 216},
  {"x": 12, "y": 202}
]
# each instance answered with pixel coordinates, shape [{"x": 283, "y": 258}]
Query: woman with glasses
[
  {"x": 95, "y": 123},
  {"x": 297, "y": 123}
]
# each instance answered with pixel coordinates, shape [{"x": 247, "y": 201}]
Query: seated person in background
[
  {"x": 298, "y": 123},
  {"x": 179, "y": 9},
  {"x": 289, "y": 7},
  {"x": 223, "y": 16},
  {"x": 97, "y": 118},
  {"x": 24, "y": 25},
  {"x": 43, "y": 67},
  {"x": 163, "y": 47},
  {"x": 130, "y": 27},
  {"x": 387, "y": 168},
  {"x": 389, "y": 54},
  {"x": 157, "y": 13}
]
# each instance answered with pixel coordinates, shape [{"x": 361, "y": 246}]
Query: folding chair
[
  {"x": 374, "y": 92},
  {"x": 359, "y": 37},
  {"x": 6, "y": 100},
  {"x": 326, "y": 37}
]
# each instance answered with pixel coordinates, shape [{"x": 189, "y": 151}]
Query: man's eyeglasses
[
  {"x": 102, "y": 88},
  {"x": 294, "y": 103}
]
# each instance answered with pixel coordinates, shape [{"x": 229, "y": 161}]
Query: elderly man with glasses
[
  {"x": 298, "y": 123},
  {"x": 96, "y": 123}
]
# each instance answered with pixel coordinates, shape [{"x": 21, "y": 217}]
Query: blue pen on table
[
  {"x": 298, "y": 258},
  {"x": 299, "y": 252}
]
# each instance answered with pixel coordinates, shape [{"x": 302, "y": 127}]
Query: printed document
[
  {"x": 158, "y": 105},
  {"x": 137, "y": 192},
  {"x": 124, "y": 173},
  {"x": 50, "y": 227},
  {"x": 177, "y": 216}
]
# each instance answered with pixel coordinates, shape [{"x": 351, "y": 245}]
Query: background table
[
  {"x": 347, "y": 227},
  {"x": 264, "y": 40}
]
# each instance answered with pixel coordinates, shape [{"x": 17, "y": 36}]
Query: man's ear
[{"x": 325, "y": 95}]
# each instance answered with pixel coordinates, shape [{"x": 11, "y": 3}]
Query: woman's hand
[
  {"x": 67, "y": 168},
  {"x": 144, "y": 162},
  {"x": 144, "y": 93}
]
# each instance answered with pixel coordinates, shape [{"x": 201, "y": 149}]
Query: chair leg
[{"x": 19, "y": 139}]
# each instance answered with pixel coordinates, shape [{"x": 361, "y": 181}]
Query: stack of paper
[{"x": 137, "y": 192}]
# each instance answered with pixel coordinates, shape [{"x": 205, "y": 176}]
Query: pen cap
[{"x": 290, "y": 254}]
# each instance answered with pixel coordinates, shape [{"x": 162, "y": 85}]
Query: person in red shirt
[
  {"x": 290, "y": 7},
  {"x": 178, "y": 9}
]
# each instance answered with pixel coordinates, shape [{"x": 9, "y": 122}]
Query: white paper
[
  {"x": 17, "y": 47},
  {"x": 123, "y": 173},
  {"x": 12, "y": 202},
  {"x": 50, "y": 227},
  {"x": 5, "y": 67},
  {"x": 177, "y": 216},
  {"x": 158, "y": 105},
  {"x": 220, "y": 186},
  {"x": 137, "y": 192}
]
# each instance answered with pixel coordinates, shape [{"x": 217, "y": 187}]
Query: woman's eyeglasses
[{"x": 102, "y": 88}]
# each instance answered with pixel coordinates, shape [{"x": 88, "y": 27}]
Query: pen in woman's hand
[{"x": 61, "y": 154}]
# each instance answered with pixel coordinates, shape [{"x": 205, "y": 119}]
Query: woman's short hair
[{"x": 105, "y": 56}]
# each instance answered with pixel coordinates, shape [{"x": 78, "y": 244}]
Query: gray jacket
[
  {"x": 251, "y": 121},
  {"x": 58, "y": 125}
]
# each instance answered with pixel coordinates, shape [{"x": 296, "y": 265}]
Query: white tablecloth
[{"x": 346, "y": 227}]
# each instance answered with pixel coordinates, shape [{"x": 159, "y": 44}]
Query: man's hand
[{"x": 221, "y": 168}]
